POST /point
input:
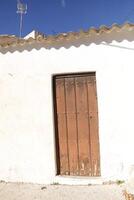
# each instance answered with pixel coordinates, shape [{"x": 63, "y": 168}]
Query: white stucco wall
[{"x": 27, "y": 148}]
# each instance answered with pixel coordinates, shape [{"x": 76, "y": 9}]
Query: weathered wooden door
[{"x": 77, "y": 125}]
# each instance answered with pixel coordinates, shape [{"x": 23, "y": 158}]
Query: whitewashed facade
[{"x": 27, "y": 132}]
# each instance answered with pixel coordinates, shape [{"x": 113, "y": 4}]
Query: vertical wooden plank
[
  {"x": 93, "y": 117},
  {"x": 72, "y": 126},
  {"x": 83, "y": 127},
  {"x": 62, "y": 127}
]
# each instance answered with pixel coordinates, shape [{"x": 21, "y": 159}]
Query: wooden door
[{"x": 77, "y": 125}]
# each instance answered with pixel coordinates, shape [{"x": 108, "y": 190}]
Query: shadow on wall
[{"x": 104, "y": 38}]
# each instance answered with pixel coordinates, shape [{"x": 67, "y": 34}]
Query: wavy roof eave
[{"x": 7, "y": 41}]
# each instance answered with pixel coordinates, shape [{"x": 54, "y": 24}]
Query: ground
[{"x": 21, "y": 191}]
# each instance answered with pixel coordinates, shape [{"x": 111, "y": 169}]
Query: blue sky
[{"x": 55, "y": 16}]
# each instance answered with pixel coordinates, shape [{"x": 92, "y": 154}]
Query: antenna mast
[{"x": 21, "y": 9}]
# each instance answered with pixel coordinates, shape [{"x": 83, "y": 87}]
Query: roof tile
[{"x": 12, "y": 41}]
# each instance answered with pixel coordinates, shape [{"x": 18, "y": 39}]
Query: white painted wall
[{"x": 27, "y": 149}]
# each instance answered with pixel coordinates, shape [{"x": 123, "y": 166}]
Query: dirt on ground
[{"x": 21, "y": 191}]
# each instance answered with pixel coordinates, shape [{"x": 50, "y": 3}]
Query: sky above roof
[{"x": 56, "y": 16}]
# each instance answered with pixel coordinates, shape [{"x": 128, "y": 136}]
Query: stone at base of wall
[{"x": 70, "y": 180}]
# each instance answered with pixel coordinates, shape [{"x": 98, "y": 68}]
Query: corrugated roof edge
[{"x": 12, "y": 41}]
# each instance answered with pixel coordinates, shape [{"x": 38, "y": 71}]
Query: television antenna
[{"x": 21, "y": 9}]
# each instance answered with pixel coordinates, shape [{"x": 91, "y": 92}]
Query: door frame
[{"x": 54, "y": 76}]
